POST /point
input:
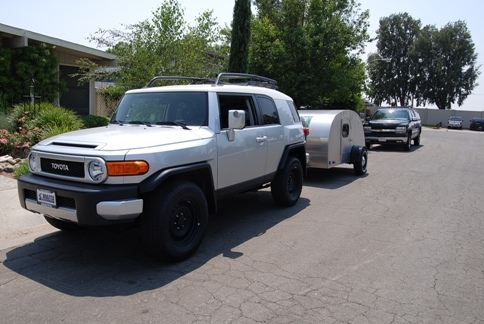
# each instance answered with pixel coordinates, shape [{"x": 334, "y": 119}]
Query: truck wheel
[
  {"x": 287, "y": 184},
  {"x": 406, "y": 146},
  {"x": 360, "y": 159},
  {"x": 175, "y": 220},
  {"x": 62, "y": 225},
  {"x": 416, "y": 140}
]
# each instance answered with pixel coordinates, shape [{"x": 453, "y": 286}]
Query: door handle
[{"x": 261, "y": 139}]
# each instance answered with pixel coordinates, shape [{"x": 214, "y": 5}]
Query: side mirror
[{"x": 236, "y": 121}]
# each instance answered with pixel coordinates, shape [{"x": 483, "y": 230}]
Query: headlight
[
  {"x": 97, "y": 171},
  {"x": 33, "y": 162},
  {"x": 401, "y": 130}
]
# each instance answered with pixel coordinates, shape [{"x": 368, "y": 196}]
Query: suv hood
[{"x": 127, "y": 137}]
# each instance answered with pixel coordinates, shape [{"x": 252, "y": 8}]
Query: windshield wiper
[
  {"x": 120, "y": 122},
  {"x": 139, "y": 122},
  {"x": 182, "y": 125}
]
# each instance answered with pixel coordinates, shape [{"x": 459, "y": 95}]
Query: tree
[
  {"x": 430, "y": 65},
  {"x": 239, "y": 49},
  {"x": 33, "y": 65},
  {"x": 395, "y": 81},
  {"x": 311, "y": 48},
  {"x": 162, "y": 45},
  {"x": 447, "y": 65}
]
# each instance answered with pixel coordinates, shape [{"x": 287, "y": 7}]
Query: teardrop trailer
[{"x": 335, "y": 137}]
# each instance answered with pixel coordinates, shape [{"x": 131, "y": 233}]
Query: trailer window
[{"x": 346, "y": 130}]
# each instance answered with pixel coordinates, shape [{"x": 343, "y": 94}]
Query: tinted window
[
  {"x": 268, "y": 110},
  {"x": 346, "y": 130}
]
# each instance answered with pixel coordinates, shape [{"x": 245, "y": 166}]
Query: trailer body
[{"x": 335, "y": 137}]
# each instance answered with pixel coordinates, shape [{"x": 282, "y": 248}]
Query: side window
[
  {"x": 268, "y": 110},
  {"x": 236, "y": 102},
  {"x": 346, "y": 130},
  {"x": 295, "y": 114}
]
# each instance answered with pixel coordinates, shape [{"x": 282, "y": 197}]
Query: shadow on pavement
[{"x": 101, "y": 263}]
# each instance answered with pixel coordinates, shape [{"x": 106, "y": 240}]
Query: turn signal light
[{"x": 127, "y": 168}]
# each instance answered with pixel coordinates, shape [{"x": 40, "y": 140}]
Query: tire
[
  {"x": 368, "y": 146},
  {"x": 175, "y": 221},
  {"x": 416, "y": 140},
  {"x": 63, "y": 225},
  {"x": 406, "y": 146},
  {"x": 287, "y": 185},
  {"x": 360, "y": 159}
]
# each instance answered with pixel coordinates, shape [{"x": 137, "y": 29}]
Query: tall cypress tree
[{"x": 239, "y": 47}]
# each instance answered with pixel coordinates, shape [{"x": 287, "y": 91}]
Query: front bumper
[
  {"x": 386, "y": 139},
  {"x": 84, "y": 204}
]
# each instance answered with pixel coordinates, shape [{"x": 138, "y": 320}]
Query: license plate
[
  {"x": 46, "y": 198},
  {"x": 381, "y": 140}
]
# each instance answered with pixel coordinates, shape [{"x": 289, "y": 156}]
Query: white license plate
[
  {"x": 46, "y": 198},
  {"x": 381, "y": 140}
]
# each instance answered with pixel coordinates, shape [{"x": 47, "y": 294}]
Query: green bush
[
  {"x": 21, "y": 169},
  {"x": 91, "y": 121},
  {"x": 5, "y": 122},
  {"x": 60, "y": 117}
]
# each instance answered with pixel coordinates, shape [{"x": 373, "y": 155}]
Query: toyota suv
[
  {"x": 393, "y": 126},
  {"x": 166, "y": 157}
]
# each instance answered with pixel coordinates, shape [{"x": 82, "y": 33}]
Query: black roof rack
[
  {"x": 193, "y": 80},
  {"x": 253, "y": 79},
  {"x": 250, "y": 79}
]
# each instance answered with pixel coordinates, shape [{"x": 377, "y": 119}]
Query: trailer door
[{"x": 346, "y": 138}]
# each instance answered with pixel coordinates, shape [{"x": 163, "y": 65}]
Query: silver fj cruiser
[{"x": 167, "y": 155}]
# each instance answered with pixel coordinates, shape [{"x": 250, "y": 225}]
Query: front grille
[
  {"x": 61, "y": 201},
  {"x": 63, "y": 168}
]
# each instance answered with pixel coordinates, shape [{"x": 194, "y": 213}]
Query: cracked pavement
[{"x": 403, "y": 244}]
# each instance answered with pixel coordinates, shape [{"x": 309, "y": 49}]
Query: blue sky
[{"x": 75, "y": 21}]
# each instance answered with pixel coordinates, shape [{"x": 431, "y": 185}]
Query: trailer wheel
[
  {"x": 287, "y": 184},
  {"x": 359, "y": 157},
  {"x": 175, "y": 220}
]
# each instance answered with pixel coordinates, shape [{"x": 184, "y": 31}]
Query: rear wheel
[
  {"x": 175, "y": 220},
  {"x": 287, "y": 185},
  {"x": 63, "y": 225}
]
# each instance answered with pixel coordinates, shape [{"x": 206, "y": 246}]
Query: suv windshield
[
  {"x": 399, "y": 114},
  {"x": 456, "y": 118},
  {"x": 162, "y": 108}
]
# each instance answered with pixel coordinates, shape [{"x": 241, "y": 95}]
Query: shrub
[
  {"x": 60, "y": 117},
  {"x": 91, "y": 121},
  {"x": 5, "y": 122},
  {"x": 21, "y": 169}
]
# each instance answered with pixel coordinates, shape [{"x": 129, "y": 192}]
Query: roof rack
[
  {"x": 253, "y": 79},
  {"x": 250, "y": 79},
  {"x": 193, "y": 80}
]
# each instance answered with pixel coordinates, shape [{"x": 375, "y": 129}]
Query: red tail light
[{"x": 306, "y": 131}]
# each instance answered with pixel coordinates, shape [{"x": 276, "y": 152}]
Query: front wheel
[
  {"x": 416, "y": 140},
  {"x": 175, "y": 220},
  {"x": 406, "y": 146},
  {"x": 287, "y": 185}
]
